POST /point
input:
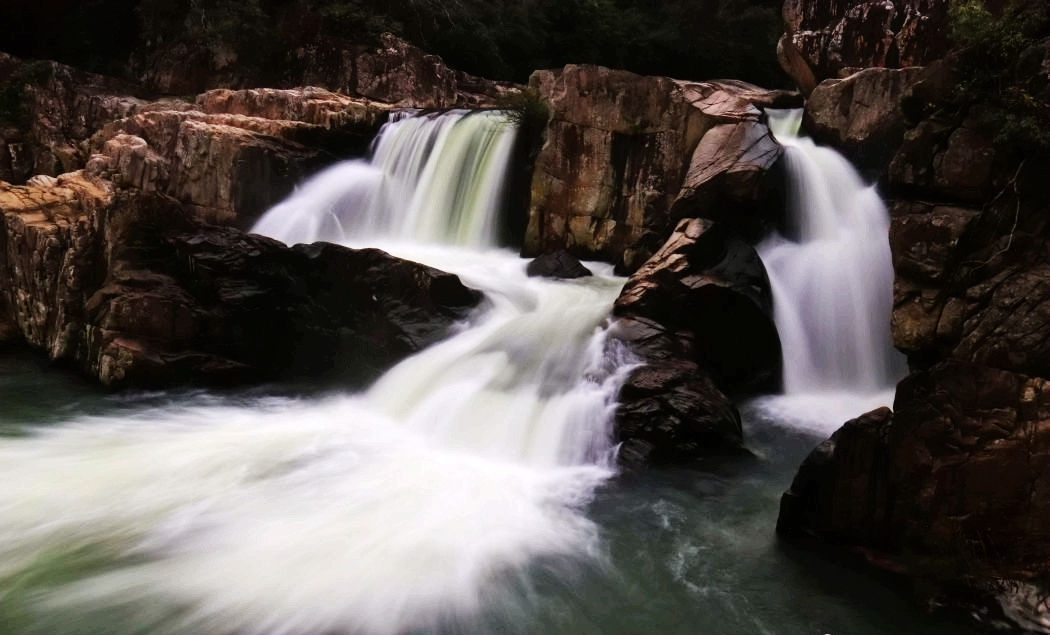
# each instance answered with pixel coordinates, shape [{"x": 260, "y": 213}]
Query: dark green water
[{"x": 680, "y": 551}]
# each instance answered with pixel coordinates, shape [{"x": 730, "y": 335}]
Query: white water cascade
[
  {"x": 405, "y": 508},
  {"x": 434, "y": 179},
  {"x": 832, "y": 283}
]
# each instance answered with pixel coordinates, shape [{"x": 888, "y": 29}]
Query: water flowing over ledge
[
  {"x": 411, "y": 504},
  {"x": 832, "y": 282}
]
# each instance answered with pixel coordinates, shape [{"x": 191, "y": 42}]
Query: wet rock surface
[
  {"x": 626, "y": 155},
  {"x": 950, "y": 487},
  {"x": 698, "y": 314},
  {"x": 832, "y": 39},
  {"x": 559, "y": 264},
  {"x": 136, "y": 292}
]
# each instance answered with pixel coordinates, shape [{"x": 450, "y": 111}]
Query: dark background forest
[{"x": 497, "y": 39}]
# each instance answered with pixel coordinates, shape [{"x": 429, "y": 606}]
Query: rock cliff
[
  {"x": 952, "y": 485},
  {"x": 832, "y": 39}
]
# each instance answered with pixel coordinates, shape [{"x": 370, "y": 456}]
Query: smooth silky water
[{"x": 472, "y": 488}]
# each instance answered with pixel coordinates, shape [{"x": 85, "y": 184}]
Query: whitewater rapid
[{"x": 413, "y": 504}]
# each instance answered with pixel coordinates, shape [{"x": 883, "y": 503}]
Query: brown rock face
[
  {"x": 622, "y": 150},
  {"x": 955, "y": 481},
  {"x": 239, "y": 153},
  {"x": 228, "y": 156},
  {"x": 48, "y": 110},
  {"x": 134, "y": 291},
  {"x": 699, "y": 315},
  {"x": 835, "y": 37},
  {"x": 862, "y": 114}
]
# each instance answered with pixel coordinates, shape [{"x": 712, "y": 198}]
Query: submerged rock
[
  {"x": 134, "y": 291},
  {"x": 559, "y": 264}
]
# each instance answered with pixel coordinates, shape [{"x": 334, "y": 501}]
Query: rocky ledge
[
  {"x": 625, "y": 156},
  {"x": 133, "y": 289}
]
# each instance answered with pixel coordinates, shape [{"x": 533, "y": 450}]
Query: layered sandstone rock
[
  {"x": 133, "y": 290},
  {"x": 699, "y": 316},
  {"x": 625, "y": 155},
  {"x": 48, "y": 110},
  {"x": 832, "y": 39}
]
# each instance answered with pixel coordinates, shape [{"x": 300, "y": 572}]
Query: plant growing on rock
[{"x": 1003, "y": 79}]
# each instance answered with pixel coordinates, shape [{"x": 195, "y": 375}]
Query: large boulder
[
  {"x": 625, "y": 155},
  {"x": 861, "y": 114},
  {"x": 698, "y": 314},
  {"x": 832, "y": 39},
  {"x": 558, "y": 264},
  {"x": 953, "y": 486},
  {"x": 133, "y": 290}
]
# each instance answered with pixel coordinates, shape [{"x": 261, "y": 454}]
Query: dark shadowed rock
[
  {"x": 559, "y": 264},
  {"x": 836, "y": 37},
  {"x": 137, "y": 293},
  {"x": 712, "y": 285},
  {"x": 670, "y": 410},
  {"x": 698, "y": 314},
  {"x": 954, "y": 485}
]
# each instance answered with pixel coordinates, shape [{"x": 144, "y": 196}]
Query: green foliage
[
  {"x": 526, "y": 109},
  {"x": 1001, "y": 80}
]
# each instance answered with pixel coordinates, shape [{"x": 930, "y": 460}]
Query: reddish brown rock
[
  {"x": 136, "y": 293},
  {"x": 698, "y": 314},
  {"x": 50, "y": 110},
  {"x": 954, "y": 484},
  {"x": 861, "y": 114},
  {"x": 835, "y": 38},
  {"x": 621, "y": 150}
]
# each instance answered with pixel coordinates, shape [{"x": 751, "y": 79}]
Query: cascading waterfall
[
  {"x": 832, "y": 282},
  {"x": 434, "y": 179},
  {"x": 403, "y": 508}
]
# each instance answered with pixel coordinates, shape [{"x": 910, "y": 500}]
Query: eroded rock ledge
[{"x": 131, "y": 288}]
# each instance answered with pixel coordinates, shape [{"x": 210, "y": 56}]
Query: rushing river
[{"x": 472, "y": 488}]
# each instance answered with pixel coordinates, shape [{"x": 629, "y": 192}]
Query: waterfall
[
  {"x": 832, "y": 281},
  {"x": 433, "y": 178},
  {"x": 403, "y": 508}
]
